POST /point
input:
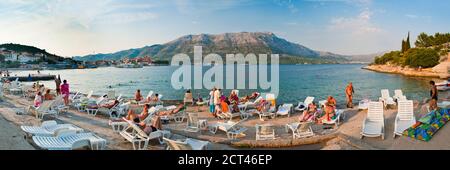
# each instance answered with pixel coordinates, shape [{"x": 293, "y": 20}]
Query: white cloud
[
  {"x": 205, "y": 6},
  {"x": 412, "y": 16},
  {"x": 69, "y": 27},
  {"x": 360, "y": 24},
  {"x": 288, "y": 4}
]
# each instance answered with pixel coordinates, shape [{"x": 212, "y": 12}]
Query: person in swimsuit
[
  {"x": 349, "y": 94},
  {"x": 433, "y": 95}
]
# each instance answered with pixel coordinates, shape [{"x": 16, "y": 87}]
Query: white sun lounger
[
  {"x": 188, "y": 98},
  {"x": 339, "y": 115},
  {"x": 302, "y": 106},
  {"x": 364, "y": 104},
  {"x": 405, "y": 117},
  {"x": 265, "y": 132},
  {"x": 254, "y": 103},
  {"x": 192, "y": 123},
  {"x": 267, "y": 111},
  {"x": 300, "y": 130},
  {"x": 231, "y": 128},
  {"x": 188, "y": 144},
  {"x": 43, "y": 110},
  {"x": 49, "y": 128},
  {"x": 398, "y": 95},
  {"x": 69, "y": 140},
  {"x": 284, "y": 110},
  {"x": 386, "y": 98},
  {"x": 135, "y": 135},
  {"x": 373, "y": 124},
  {"x": 229, "y": 115},
  {"x": 58, "y": 105}
]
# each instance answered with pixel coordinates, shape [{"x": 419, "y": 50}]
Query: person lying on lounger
[
  {"x": 178, "y": 109},
  {"x": 308, "y": 115},
  {"x": 48, "y": 96},
  {"x": 154, "y": 126},
  {"x": 108, "y": 105},
  {"x": 329, "y": 109},
  {"x": 251, "y": 97},
  {"x": 153, "y": 99},
  {"x": 138, "y": 117},
  {"x": 234, "y": 97}
]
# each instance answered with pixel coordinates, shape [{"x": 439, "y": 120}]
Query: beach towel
[{"x": 429, "y": 125}]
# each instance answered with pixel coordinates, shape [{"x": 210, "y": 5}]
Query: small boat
[
  {"x": 443, "y": 86},
  {"x": 129, "y": 66}
]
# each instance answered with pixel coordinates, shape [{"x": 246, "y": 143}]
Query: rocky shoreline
[{"x": 407, "y": 71}]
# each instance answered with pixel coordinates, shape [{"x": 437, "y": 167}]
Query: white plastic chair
[
  {"x": 386, "y": 98},
  {"x": 373, "y": 124},
  {"x": 265, "y": 132},
  {"x": 302, "y": 106},
  {"x": 49, "y": 128},
  {"x": 285, "y": 110},
  {"x": 405, "y": 117},
  {"x": 300, "y": 130},
  {"x": 69, "y": 140}
]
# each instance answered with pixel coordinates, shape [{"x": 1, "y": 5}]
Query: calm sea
[{"x": 296, "y": 82}]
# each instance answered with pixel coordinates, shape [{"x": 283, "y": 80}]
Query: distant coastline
[{"x": 406, "y": 71}]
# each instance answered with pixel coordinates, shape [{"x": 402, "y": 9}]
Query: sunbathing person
[
  {"x": 108, "y": 105},
  {"x": 330, "y": 108},
  {"x": 308, "y": 115},
  {"x": 171, "y": 112},
  {"x": 138, "y": 97},
  {"x": 133, "y": 116},
  {"x": 234, "y": 97},
  {"x": 48, "y": 96},
  {"x": 153, "y": 99},
  {"x": 38, "y": 99},
  {"x": 251, "y": 97},
  {"x": 153, "y": 127}
]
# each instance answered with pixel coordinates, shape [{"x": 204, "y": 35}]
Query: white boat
[
  {"x": 129, "y": 66},
  {"x": 443, "y": 86}
]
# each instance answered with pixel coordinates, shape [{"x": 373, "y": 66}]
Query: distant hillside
[
  {"x": 366, "y": 58},
  {"x": 34, "y": 50},
  {"x": 228, "y": 43}
]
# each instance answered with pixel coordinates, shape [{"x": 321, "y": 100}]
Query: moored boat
[
  {"x": 443, "y": 86},
  {"x": 129, "y": 66}
]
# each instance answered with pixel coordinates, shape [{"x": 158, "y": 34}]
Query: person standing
[
  {"x": 211, "y": 100},
  {"x": 433, "y": 95},
  {"x": 216, "y": 102},
  {"x": 349, "y": 93},
  {"x": 58, "y": 84},
  {"x": 137, "y": 96},
  {"x": 65, "y": 92}
]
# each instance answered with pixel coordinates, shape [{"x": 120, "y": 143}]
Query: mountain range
[{"x": 229, "y": 43}]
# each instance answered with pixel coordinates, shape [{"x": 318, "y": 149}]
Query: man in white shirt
[{"x": 217, "y": 101}]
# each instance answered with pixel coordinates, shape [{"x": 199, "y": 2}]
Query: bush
[
  {"x": 394, "y": 57},
  {"x": 421, "y": 57}
]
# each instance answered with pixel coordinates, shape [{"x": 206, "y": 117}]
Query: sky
[{"x": 80, "y": 27}]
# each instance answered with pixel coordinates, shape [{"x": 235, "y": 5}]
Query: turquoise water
[{"x": 296, "y": 82}]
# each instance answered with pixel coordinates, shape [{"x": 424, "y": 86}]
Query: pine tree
[{"x": 408, "y": 44}]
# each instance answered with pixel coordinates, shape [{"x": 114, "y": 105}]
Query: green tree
[
  {"x": 421, "y": 57},
  {"x": 423, "y": 40},
  {"x": 406, "y": 45}
]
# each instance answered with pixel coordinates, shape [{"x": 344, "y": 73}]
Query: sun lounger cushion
[{"x": 430, "y": 124}]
